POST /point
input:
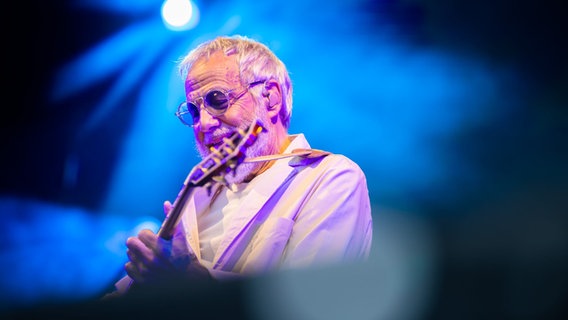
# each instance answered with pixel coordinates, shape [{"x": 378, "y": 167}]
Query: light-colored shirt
[
  {"x": 214, "y": 220},
  {"x": 300, "y": 213}
]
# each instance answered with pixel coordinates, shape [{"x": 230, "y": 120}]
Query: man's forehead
[
  {"x": 217, "y": 61},
  {"x": 216, "y": 65}
]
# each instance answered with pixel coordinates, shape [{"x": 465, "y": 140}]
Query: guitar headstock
[{"x": 225, "y": 158}]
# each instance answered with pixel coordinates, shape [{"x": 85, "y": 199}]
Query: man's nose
[{"x": 207, "y": 122}]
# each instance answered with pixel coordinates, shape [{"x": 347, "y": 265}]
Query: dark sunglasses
[{"x": 215, "y": 102}]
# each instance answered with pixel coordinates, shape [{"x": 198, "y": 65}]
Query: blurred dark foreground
[{"x": 473, "y": 290}]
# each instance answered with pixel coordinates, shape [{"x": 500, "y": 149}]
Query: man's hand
[{"x": 154, "y": 260}]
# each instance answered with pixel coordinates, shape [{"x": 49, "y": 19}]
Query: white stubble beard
[{"x": 261, "y": 147}]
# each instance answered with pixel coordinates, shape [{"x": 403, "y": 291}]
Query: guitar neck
[
  {"x": 225, "y": 158},
  {"x": 172, "y": 219}
]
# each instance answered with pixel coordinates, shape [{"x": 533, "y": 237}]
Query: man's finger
[
  {"x": 167, "y": 207},
  {"x": 148, "y": 238},
  {"x": 140, "y": 250},
  {"x": 133, "y": 272}
]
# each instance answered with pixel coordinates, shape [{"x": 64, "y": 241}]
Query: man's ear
[{"x": 273, "y": 95}]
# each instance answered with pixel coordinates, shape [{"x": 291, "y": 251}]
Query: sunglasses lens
[
  {"x": 217, "y": 102},
  {"x": 193, "y": 110},
  {"x": 188, "y": 113}
]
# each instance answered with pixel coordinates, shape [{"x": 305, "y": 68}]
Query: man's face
[{"x": 221, "y": 72}]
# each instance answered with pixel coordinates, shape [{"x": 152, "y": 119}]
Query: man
[{"x": 294, "y": 212}]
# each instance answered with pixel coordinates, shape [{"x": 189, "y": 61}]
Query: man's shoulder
[
  {"x": 326, "y": 159},
  {"x": 337, "y": 160},
  {"x": 337, "y": 170}
]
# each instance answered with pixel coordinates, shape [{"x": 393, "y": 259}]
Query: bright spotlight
[{"x": 180, "y": 15}]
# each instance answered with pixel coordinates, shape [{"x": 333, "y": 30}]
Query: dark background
[{"x": 501, "y": 240}]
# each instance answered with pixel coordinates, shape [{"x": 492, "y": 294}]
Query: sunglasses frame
[{"x": 214, "y": 112}]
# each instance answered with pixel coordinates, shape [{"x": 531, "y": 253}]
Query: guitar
[{"x": 212, "y": 169}]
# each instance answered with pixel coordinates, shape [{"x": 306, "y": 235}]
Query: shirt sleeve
[{"x": 334, "y": 225}]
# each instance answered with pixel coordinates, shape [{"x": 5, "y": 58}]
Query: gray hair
[{"x": 256, "y": 62}]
